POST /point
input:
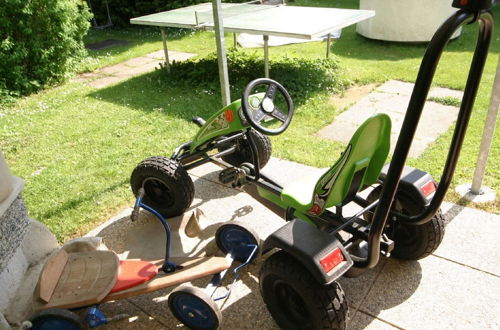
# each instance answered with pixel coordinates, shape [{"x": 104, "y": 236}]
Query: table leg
[
  {"x": 266, "y": 56},
  {"x": 165, "y": 49},
  {"x": 328, "y": 41}
]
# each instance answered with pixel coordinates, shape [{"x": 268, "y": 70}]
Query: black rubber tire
[
  {"x": 238, "y": 228},
  {"x": 243, "y": 153},
  {"x": 296, "y": 300},
  {"x": 56, "y": 319},
  {"x": 411, "y": 242},
  {"x": 169, "y": 188},
  {"x": 199, "y": 296}
]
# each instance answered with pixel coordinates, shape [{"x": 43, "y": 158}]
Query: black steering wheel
[{"x": 256, "y": 113}]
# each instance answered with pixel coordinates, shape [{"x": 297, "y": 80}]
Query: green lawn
[{"x": 76, "y": 146}]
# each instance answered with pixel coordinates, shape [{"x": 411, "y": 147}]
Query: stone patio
[
  {"x": 392, "y": 98},
  {"x": 454, "y": 288},
  {"x": 125, "y": 70}
]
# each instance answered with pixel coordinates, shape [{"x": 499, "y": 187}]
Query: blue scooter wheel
[
  {"x": 237, "y": 238},
  {"x": 193, "y": 307},
  {"x": 56, "y": 319}
]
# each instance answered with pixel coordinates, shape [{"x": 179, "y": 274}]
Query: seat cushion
[
  {"x": 299, "y": 193},
  {"x": 132, "y": 273}
]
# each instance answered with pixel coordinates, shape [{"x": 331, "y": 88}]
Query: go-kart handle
[
  {"x": 255, "y": 115},
  {"x": 137, "y": 207}
]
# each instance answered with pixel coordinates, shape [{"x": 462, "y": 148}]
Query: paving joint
[{"x": 465, "y": 265}]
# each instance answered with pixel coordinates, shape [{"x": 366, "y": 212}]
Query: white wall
[{"x": 404, "y": 20}]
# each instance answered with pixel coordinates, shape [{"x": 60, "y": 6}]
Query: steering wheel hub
[
  {"x": 256, "y": 111},
  {"x": 267, "y": 105}
]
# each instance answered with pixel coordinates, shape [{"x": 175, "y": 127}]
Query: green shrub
[
  {"x": 40, "y": 42},
  {"x": 121, "y": 11},
  {"x": 301, "y": 76}
]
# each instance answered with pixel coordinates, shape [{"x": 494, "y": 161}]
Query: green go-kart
[{"x": 400, "y": 217}]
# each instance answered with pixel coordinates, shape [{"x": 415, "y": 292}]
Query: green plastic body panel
[
  {"x": 225, "y": 121},
  {"x": 278, "y": 201},
  {"x": 367, "y": 150}
]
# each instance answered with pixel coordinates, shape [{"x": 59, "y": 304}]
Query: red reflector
[
  {"x": 332, "y": 259},
  {"x": 428, "y": 188},
  {"x": 464, "y": 2}
]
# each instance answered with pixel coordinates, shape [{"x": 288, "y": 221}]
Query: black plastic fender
[
  {"x": 411, "y": 183},
  {"x": 311, "y": 247}
]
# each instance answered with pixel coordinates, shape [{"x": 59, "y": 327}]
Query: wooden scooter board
[
  {"x": 192, "y": 269},
  {"x": 87, "y": 277}
]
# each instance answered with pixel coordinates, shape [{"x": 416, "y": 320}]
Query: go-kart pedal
[{"x": 235, "y": 176}]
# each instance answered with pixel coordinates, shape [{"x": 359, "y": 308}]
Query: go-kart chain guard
[{"x": 311, "y": 247}]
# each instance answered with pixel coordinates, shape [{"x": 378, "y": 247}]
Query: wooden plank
[
  {"x": 50, "y": 275},
  {"x": 87, "y": 278},
  {"x": 193, "y": 269}
]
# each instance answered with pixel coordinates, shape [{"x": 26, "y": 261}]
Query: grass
[
  {"x": 447, "y": 100},
  {"x": 76, "y": 146}
]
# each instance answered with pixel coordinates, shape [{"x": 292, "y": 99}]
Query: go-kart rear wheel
[
  {"x": 239, "y": 239},
  {"x": 56, "y": 319},
  {"x": 193, "y": 307},
  {"x": 296, "y": 300},
  {"x": 243, "y": 153},
  {"x": 411, "y": 242},
  {"x": 168, "y": 187}
]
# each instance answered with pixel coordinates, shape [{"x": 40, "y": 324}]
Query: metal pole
[
  {"x": 328, "y": 41},
  {"x": 165, "y": 49},
  {"x": 221, "y": 52},
  {"x": 488, "y": 132},
  {"x": 235, "y": 42},
  {"x": 266, "y": 56}
]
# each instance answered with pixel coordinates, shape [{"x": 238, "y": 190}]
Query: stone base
[
  {"x": 486, "y": 194},
  {"x": 19, "y": 278}
]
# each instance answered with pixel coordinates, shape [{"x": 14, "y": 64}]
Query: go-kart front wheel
[
  {"x": 243, "y": 153},
  {"x": 168, "y": 188},
  {"x": 193, "y": 307},
  {"x": 296, "y": 300}
]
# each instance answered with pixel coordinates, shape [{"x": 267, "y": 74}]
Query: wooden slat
[
  {"x": 87, "y": 278},
  {"x": 50, "y": 275},
  {"x": 193, "y": 269}
]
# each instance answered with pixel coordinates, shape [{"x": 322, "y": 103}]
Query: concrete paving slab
[
  {"x": 392, "y": 98},
  {"x": 445, "y": 291},
  {"x": 396, "y": 87},
  {"x": 445, "y": 92},
  {"x": 136, "y": 61},
  {"x": 119, "y": 72},
  {"x": 365, "y": 321},
  {"x": 172, "y": 55},
  {"x": 136, "y": 318},
  {"x": 471, "y": 238},
  {"x": 434, "y": 293},
  {"x": 104, "y": 81}
]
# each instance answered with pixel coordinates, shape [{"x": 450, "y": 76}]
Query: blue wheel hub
[
  {"x": 194, "y": 312},
  {"x": 236, "y": 240}
]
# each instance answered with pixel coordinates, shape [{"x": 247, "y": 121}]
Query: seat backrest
[{"x": 360, "y": 164}]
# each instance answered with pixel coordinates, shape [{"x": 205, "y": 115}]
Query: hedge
[
  {"x": 121, "y": 11},
  {"x": 40, "y": 42}
]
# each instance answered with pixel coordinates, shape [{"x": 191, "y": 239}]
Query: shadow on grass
[
  {"x": 192, "y": 87},
  {"x": 150, "y": 92}
]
